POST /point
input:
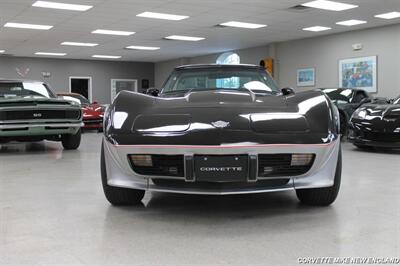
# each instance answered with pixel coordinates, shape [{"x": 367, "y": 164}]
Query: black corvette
[
  {"x": 376, "y": 125},
  {"x": 347, "y": 101},
  {"x": 219, "y": 130}
]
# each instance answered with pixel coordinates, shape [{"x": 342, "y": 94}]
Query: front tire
[
  {"x": 115, "y": 195},
  {"x": 71, "y": 141},
  {"x": 323, "y": 196}
]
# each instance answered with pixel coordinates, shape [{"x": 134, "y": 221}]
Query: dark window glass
[{"x": 217, "y": 79}]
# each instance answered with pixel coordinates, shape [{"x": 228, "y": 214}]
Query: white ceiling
[{"x": 204, "y": 15}]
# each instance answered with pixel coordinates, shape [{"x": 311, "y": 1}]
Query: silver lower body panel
[{"x": 321, "y": 174}]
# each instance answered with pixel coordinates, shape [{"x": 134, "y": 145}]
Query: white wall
[
  {"x": 324, "y": 54},
  {"x": 61, "y": 69}
]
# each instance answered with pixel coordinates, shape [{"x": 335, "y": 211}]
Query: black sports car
[
  {"x": 221, "y": 129},
  {"x": 347, "y": 101},
  {"x": 376, "y": 125}
]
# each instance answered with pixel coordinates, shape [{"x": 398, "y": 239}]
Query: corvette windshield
[
  {"x": 339, "y": 95},
  {"x": 24, "y": 90},
  {"x": 256, "y": 81}
]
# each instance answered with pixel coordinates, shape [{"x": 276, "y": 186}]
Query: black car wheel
[
  {"x": 322, "y": 196},
  {"x": 115, "y": 195},
  {"x": 363, "y": 147},
  {"x": 71, "y": 141}
]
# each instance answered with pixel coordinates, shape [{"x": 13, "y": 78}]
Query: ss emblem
[{"x": 37, "y": 115}]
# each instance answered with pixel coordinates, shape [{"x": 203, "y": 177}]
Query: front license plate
[{"x": 221, "y": 168}]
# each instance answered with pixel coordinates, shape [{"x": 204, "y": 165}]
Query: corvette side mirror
[
  {"x": 153, "y": 92},
  {"x": 287, "y": 91}
]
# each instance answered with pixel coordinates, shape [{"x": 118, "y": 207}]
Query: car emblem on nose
[
  {"x": 37, "y": 115},
  {"x": 220, "y": 124}
]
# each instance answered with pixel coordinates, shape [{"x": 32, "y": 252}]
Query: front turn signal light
[
  {"x": 301, "y": 159},
  {"x": 141, "y": 160}
]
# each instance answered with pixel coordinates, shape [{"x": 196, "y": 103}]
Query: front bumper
[
  {"x": 388, "y": 136},
  {"x": 39, "y": 128},
  {"x": 321, "y": 174},
  {"x": 93, "y": 123},
  {"x": 362, "y": 140}
]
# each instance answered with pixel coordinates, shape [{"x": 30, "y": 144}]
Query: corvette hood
[
  {"x": 382, "y": 110},
  {"x": 223, "y": 98},
  {"x": 32, "y": 101}
]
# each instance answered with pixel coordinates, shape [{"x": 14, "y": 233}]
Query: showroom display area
[{"x": 192, "y": 132}]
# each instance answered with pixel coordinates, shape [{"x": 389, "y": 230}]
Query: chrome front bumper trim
[
  {"x": 321, "y": 174},
  {"x": 51, "y": 125}
]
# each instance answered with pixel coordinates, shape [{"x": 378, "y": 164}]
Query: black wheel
[
  {"x": 363, "y": 147},
  {"x": 71, "y": 141},
  {"x": 100, "y": 130},
  {"x": 343, "y": 125},
  {"x": 115, "y": 195},
  {"x": 322, "y": 196}
]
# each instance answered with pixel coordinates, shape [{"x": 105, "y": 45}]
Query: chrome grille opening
[
  {"x": 284, "y": 164},
  {"x": 157, "y": 165}
]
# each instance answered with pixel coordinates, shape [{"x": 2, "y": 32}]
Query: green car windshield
[
  {"x": 24, "y": 90},
  {"x": 256, "y": 81}
]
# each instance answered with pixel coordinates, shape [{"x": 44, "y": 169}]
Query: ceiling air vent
[{"x": 299, "y": 8}]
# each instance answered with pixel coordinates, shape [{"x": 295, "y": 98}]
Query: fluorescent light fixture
[
  {"x": 113, "y": 32},
  {"x": 106, "y": 56},
  {"x": 74, "y": 7},
  {"x": 27, "y": 26},
  {"x": 329, "y": 5},
  {"x": 184, "y": 38},
  {"x": 351, "y": 22},
  {"x": 237, "y": 24},
  {"x": 79, "y": 44},
  {"x": 50, "y": 54},
  {"x": 390, "y": 15},
  {"x": 2, "y": 51},
  {"x": 317, "y": 28},
  {"x": 161, "y": 16},
  {"x": 147, "y": 48}
]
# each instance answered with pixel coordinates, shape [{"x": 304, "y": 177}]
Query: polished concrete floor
[{"x": 53, "y": 212}]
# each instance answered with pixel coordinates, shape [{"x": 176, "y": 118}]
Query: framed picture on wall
[
  {"x": 359, "y": 73},
  {"x": 306, "y": 77}
]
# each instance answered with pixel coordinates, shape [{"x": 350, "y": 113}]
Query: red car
[{"x": 92, "y": 112}]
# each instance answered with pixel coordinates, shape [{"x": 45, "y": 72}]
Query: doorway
[{"x": 81, "y": 85}]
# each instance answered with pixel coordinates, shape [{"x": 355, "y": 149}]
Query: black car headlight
[{"x": 360, "y": 113}]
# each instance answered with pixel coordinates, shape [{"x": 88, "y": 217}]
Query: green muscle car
[{"x": 30, "y": 111}]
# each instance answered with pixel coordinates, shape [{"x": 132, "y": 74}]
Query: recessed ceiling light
[
  {"x": 2, "y": 51},
  {"x": 245, "y": 25},
  {"x": 351, "y": 22},
  {"x": 106, "y": 56},
  {"x": 317, "y": 28},
  {"x": 74, "y": 7},
  {"x": 161, "y": 16},
  {"x": 390, "y": 15},
  {"x": 148, "y": 48},
  {"x": 113, "y": 32},
  {"x": 329, "y": 5},
  {"x": 27, "y": 26},
  {"x": 80, "y": 44},
  {"x": 184, "y": 38},
  {"x": 50, "y": 54}
]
